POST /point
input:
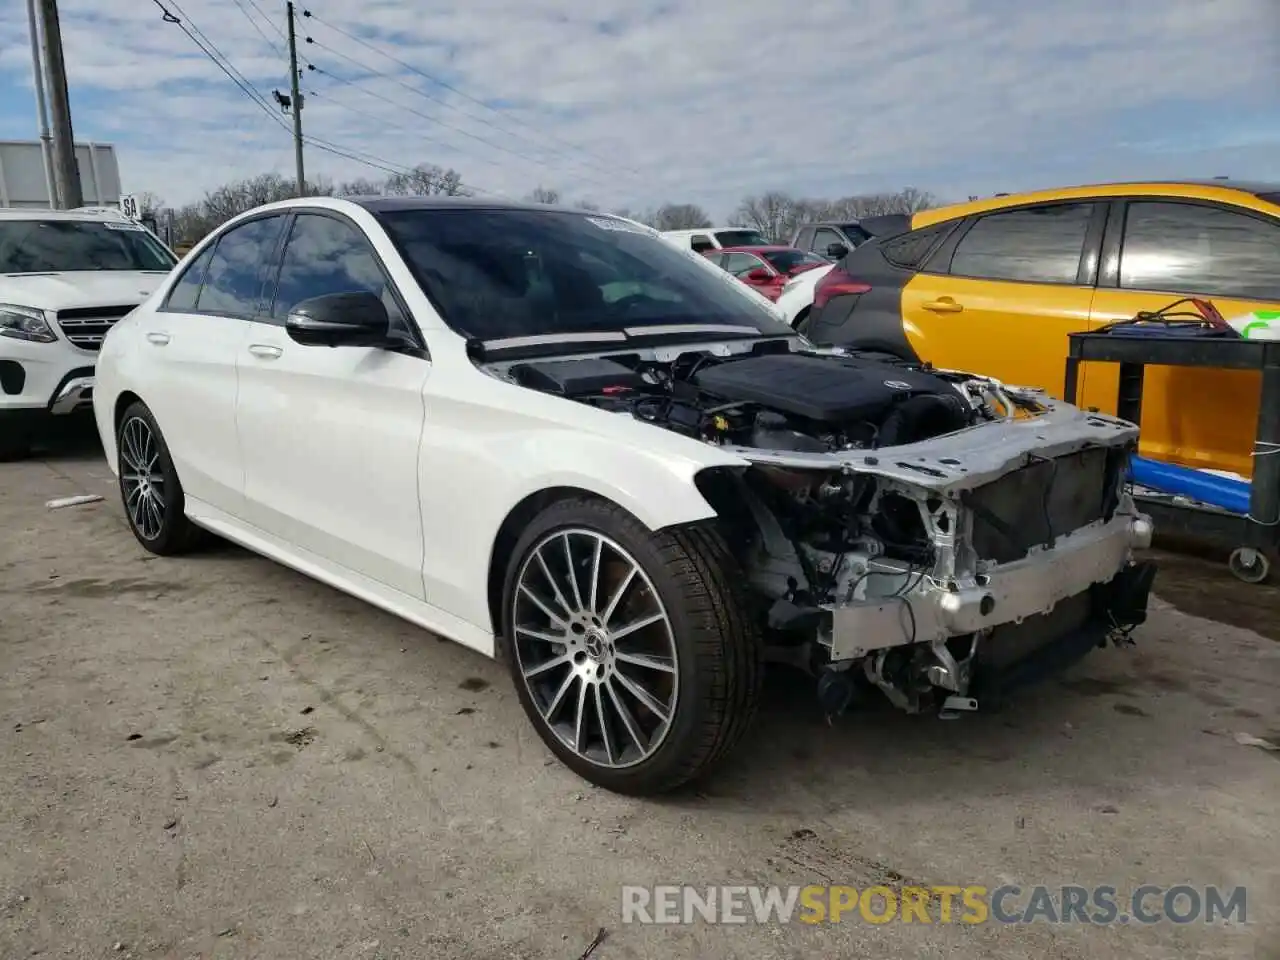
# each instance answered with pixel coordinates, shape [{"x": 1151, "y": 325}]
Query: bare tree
[
  {"x": 680, "y": 216},
  {"x": 908, "y": 200},
  {"x": 361, "y": 187},
  {"x": 541, "y": 194},
  {"x": 149, "y": 204},
  {"x": 772, "y": 213},
  {"x": 916, "y": 200},
  {"x": 218, "y": 206},
  {"x": 425, "y": 180},
  {"x": 778, "y": 215},
  {"x": 775, "y": 213}
]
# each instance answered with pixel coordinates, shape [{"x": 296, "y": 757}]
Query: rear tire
[
  {"x": 671, "y": 625},
  {"x": 154, "y": 504}
]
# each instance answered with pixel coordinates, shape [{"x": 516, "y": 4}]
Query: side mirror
[
  {"x": 758, "y": 275},
  {"x": 340, "y": 319},
  {"x": 837, "y": 251}
]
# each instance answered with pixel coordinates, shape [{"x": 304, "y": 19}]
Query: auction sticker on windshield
[{"x": 111, "y": 225}]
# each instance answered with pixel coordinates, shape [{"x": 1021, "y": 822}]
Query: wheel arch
[
  {"x": 509, "y": 531},
  {"x": 124, "y": 401},
  {"x": 710, "y": 486},
  {"x": 109, "y": 430}
]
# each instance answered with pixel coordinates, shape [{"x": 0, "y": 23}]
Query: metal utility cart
[{"x": 1253, "y": 538}]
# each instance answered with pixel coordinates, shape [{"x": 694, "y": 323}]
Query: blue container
[{"x": 1223, "y": 492}]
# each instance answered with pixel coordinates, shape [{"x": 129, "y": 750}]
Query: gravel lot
[{"x": 215, "y": 757}]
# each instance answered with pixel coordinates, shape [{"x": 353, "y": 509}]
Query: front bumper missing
[
  {"x": 1113, "y": 609},
  {"x": 933, "y": 613}
]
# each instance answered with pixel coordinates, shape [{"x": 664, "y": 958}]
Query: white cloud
[{"x": 685, "y": 99}]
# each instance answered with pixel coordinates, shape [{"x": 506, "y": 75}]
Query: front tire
[
  {"x": 630, "y": 650},
  {"x": 150, "y": 490}
]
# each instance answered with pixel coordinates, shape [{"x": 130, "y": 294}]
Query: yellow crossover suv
[{"x": 996, "y": 285}]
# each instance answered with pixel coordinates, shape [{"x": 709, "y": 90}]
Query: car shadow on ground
[{"x": 73, "y": 437}]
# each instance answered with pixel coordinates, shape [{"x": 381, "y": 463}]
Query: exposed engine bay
[
  {"x": 933, "y": 534},
  {"x": 777, "y": 399}
]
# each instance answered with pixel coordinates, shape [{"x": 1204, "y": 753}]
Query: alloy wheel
[
  {"x": 142, "y": 478},
  {"x": 594, "y": 645}
]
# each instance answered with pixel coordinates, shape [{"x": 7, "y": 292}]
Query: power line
[
  {"x": 399, "y": 106},
  {"x": 372, "y": 160},
  {"x": 612, "y": 166},
  {"x": 327, "y": 146},
  {"x": 334, "y": 102},
  {"x": 274, "y": 45},
  {"x": 270, "y": 22},
  {"x": 194, "y": 34},
  {"x": 374, "y": 74},
  {"x": 355, "y": 84}
]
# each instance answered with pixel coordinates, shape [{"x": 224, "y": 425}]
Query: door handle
[
  {"x": 159, "y": 339},
  {"x": 943, "y": 305},
  {"x": 265, "y": 351}
]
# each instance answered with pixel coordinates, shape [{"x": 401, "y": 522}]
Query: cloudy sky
[{"x": 637, "y": 102}]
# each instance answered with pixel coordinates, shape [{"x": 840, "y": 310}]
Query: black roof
[{"x": 438, "y": 202}]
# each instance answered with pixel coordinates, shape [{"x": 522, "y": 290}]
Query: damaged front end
[
  {"x": 934, "y": 534},
  {"x": 948, "y": 571}
]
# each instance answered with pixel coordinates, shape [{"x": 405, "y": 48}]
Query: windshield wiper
[
  {"x": 554, "y": 339},
  {"x": 541, "y": 344},
  {"x": 666, "y": 329}
]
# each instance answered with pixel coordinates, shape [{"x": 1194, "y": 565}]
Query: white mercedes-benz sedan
[{"x": 551, "y": 435}]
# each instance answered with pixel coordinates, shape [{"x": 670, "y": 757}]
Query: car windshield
[
  {"x": 509, "y": 273},
  {"x": 742, "y": 238},
  {"x": 49, "y": 246},
  {"x": 785, "y": 261}
]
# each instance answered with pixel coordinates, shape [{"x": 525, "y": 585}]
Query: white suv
[{"x": 65, "y": 277}]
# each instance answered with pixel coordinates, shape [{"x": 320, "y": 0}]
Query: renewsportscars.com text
[{"x": 972, "y": 904}]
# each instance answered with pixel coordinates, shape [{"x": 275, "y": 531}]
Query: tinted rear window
[
  {"x": 912, "y": 249},
  {"x": 1034, "y": 244}
]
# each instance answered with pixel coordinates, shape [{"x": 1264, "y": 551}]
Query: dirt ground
[{"x": 215, "y": 757}]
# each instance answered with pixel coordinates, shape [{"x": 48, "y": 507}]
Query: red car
[{"x": 765, "y": 268}]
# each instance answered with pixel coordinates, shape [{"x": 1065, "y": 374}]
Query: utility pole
[
  {"x": 65, "y": 169},
  {"x": 295, "y": 102},
  {"x": 42, "y": 112}
]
